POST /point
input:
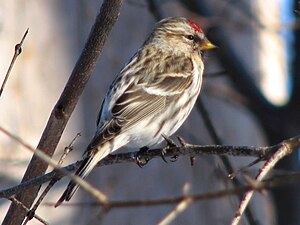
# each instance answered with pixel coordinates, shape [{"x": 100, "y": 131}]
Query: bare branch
[
  {"x": 180, "y": 208},
  {"x": 83, "y": 184},
  {"x": 34, "y": 182},
  {"x": 187, "y": 149},
  {"x": 257, "y": 186},
  {"x": 285, "y": 149},
  {"x": 17, "y": 202},
  {"x": 18, "y": 50},
  {"x": 281, "y": 150},
  {"x": 32, "y": 211}
]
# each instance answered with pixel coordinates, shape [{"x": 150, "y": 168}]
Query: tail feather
[{"x": 83, "y": 171}]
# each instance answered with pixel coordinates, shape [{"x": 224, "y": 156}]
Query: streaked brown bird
[{"x": 152, "y": 95}]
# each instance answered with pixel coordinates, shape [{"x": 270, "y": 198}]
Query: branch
[
  {"x": 18, "y": 50},
  {"x": 285, "y": 149},
  {"x": 42, "y": 156},
  {"x": 30, "y": 214},
  {"x": 179, "y": 209},
  {"x": 63, "y": 109},
  {"x": 187, "y": 149},
  {"x": 17, "y": 202},
  {"x": 273, "y": 154},
  {"x": 258, "y": 186}
]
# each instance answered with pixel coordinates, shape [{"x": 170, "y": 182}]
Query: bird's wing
[{"x": 137, "y": 94}]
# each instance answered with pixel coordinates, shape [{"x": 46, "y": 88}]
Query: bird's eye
[{"x": 190, "y": 37}]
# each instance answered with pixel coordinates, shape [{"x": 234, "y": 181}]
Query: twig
[
  {"x": 68, "y": 149},
  {"x": 217, "y": 140},
  {"x": 259, "y": 186},
  {"x": 180, "y": 208},
  {"x": 32, "y": 211},
  {"x": 286, "y": 149},
  {"x": 34, "y": 182},
  {"x": 83, "y": 184},
  {"x": 18, "y": 50},
  {"x": 16, "y": 201}
]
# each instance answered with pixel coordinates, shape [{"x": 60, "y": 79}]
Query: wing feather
[
  {"x": 169, "y": 84},
  {"x": 139, "y": 93}
]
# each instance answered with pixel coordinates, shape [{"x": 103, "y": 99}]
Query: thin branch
[
  {"x": 181, "y": 207},
  {"x": 32, "y": 211},
  {"x": 41, "y": 155},
  {"x": 64, "y": 107},
  {"x": 217, "y": 140},
  {"x": 34, "y": 182},
  {"x": 284, "y": 150},
  {"x": 17, "y": 202},
  {"x": 257, "y": 186},
  {"x": 18, "y": 50},
  {"x": 281, "y": 150},
  {"x": 187, "y": 149}
]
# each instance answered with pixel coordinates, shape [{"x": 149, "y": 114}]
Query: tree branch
[
  {"x": 272, "y": 154},
  {"x": 285, "y": 149},
  {"x": 262, "y": 153},
  {"x": 18, "y": 50},
  {"x": 257, "y": 186},
  {"x": 63, "y": 109}
]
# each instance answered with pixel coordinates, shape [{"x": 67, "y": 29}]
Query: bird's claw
[
  {"x": 140, "y": 159},
  {"x": 170, "y": 144},
  {"x": 174, "y": 158},
  {"x": 163, "y": 153}
]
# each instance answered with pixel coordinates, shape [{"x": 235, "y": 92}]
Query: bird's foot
[
  {"x": 170, "y": 144},
  {"x": 141, "y": 159}
]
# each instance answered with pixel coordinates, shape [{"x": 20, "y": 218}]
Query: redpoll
[{"x": 152, "y": 95}]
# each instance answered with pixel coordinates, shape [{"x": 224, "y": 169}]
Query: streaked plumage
[{"x": 152, "y": 96}]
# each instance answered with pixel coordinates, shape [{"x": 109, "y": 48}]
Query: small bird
[{"x": 152, "y": 95}]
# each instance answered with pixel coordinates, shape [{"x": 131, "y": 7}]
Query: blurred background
[{"x": 251, "y": 92}]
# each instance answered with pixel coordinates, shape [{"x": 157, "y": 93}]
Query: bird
[{"x": 151, "y": 96}]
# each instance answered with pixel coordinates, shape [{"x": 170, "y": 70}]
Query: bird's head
[{"x": 180, "y": 35}]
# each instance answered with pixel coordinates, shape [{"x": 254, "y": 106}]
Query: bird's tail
[{"x": 88, "y": 163}]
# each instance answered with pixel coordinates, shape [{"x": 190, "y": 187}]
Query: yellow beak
[{"x": 207, "y": 45}]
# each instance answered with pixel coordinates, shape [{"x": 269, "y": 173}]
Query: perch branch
[{"x": 262, "y": 153}]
